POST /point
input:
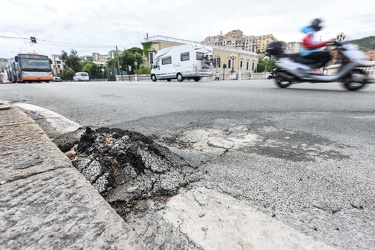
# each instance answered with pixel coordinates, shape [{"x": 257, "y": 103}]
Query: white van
[
  {"x": 81, "y": 76},
  {"x": 189, "y": 61}
]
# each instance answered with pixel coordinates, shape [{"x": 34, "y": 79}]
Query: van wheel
[
  {"x": 179, "y": 77},
  {"x": 153, "y": 78},
  {"x": 197, "y": 79},
  {"x": 168, "y": 80}
]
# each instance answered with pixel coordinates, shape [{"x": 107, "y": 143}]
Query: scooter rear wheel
[
  {"x": 355, "y": 80},
  {"x": 281, "y": 82}
]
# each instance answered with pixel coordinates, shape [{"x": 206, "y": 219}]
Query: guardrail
[{"x": 227, "y": 76}]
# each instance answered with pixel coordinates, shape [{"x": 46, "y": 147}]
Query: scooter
[{"x": 293, "y": 68}]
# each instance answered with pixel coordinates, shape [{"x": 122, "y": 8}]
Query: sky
[{"x": 99, "y": 26}]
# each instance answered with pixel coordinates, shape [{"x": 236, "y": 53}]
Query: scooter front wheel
[
  {"x": 281, "y": 82},
  {"x": 355, "y": 80}
]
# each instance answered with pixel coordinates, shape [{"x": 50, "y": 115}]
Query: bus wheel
[{"x": 179, "y": 77}]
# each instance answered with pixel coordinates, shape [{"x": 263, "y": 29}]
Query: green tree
[
  {"x": 67, "y": 74},
  {"x": 72, "y": 61},
  {"x": 92, "y": 69},
  {"x": 128, "y": 58},
  {"x": 271, "y": 64},
  {"x": 144, "y": 69}
]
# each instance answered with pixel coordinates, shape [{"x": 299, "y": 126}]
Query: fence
[{"x": 228, "y": 76}]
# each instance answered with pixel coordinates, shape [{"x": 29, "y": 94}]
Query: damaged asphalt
[{"x": 255, "y": 184}]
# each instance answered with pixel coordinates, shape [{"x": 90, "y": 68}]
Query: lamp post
[
  {"x": 340, "y": 37},
  {"x": 135, "y": 65},
  {"x": 265, "y": 69},
  {"x": 266, "y": 59},
  {"x": 232, "y": 57},
  {"x": 224, "y": 67},
  {"x": 122, "y": 77}
]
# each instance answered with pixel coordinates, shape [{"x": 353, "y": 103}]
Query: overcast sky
[{"x": 98, "y": 26}]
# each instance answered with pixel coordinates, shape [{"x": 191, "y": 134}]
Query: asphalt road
[{"x": 302, "y": 155}]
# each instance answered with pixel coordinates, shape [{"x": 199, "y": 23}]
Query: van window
[
  {"x": 200, "y": 55},
  {"x": 84, "y": 74},
  {"x": 185, "y": 56},
  {"x": 166, "y": 60}
]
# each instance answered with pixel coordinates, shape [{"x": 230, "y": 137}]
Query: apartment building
[
  {"x": 263, "y": 41},
  {"x": 234, "y": 39},
  {"x": 57, "y": 64}
]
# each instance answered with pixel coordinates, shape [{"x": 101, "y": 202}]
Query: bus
[{"x": 29, "y": 68}]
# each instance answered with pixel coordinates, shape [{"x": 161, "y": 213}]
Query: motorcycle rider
[{"x": 311, "y": 48}]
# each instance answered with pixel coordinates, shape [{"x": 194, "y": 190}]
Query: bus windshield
[{"x": 37, "y": 65}]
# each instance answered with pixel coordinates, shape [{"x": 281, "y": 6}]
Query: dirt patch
[{"x": 126, "y": 167}]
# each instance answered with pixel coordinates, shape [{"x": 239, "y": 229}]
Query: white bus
[
  {"x": 182, "y": 62},
  {"x": 29, "y": 68}
]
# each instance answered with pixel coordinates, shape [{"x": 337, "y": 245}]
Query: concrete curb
[{"x": 45, "y": 203}]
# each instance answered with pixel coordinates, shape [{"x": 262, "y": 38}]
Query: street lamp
[
  {"x": 340, "y": 36},
  {"x": 232, "y": 57},
  {"x": 135, "y": 65},
  {"x": 102, "y": 72},
  {"x": 266, "y": 58},
  {"x": 122, "y": 77}
]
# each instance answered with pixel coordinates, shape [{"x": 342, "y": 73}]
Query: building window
[
  {"x": 216, "y": 62},
  {"x": 166, "y": 60},
  {"x": 185, "y": 56},
  {"x": 240, "y": 64},
  {"x": 247, "y": 65},
  {"x": 151, "y": 57},
  {"x": 252, "y": 66},
  {"x": 229, "y": 63}
]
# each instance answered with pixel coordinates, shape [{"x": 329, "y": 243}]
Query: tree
[
  {"x": 144, "y": 69},
  {"x": 129, "y": 57},
  {"x": 72, "y": 61},
  {"x": 92, "y": 69},
  {"x": 271, "y": 64},
  {"x": 67, "y": 74}
]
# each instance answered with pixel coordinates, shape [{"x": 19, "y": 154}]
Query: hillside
[{"x": 366, "y": 43}]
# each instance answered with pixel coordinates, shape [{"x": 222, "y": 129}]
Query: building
[
  {"x": 234, "y": 39},
  {"x": 292, "y": 47},
  {"x": 100, "y": 59},
  {"x": 262, "y": 42},
  {"x": 57, "y": 64},
  {"x": 227, "y": 59}
]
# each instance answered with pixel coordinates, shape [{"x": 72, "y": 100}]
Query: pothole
[{"x": 126, "y": 166}]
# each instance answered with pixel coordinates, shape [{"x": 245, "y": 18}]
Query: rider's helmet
[{"x": 316, "y": 24}]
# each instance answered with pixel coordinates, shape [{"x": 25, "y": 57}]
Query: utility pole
[{"x": 118, "y": 61}]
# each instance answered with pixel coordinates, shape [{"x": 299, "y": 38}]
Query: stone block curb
[{"x": 45, "y": 203}]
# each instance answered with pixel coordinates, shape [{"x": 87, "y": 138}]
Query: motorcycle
[{"x": 293, "y": 68}]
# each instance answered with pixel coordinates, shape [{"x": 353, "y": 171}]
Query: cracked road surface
[{"x": 302, "y": 157}]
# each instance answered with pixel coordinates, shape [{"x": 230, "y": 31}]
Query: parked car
[
  {"x": 81, "y": 76},
  {"x": 57, "y": 79}
]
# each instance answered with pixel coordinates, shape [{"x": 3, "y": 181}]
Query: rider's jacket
[{"x": 309, "y": 45}]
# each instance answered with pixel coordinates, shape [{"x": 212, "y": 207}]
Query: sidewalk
[{"x": 45, "y": 203}]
